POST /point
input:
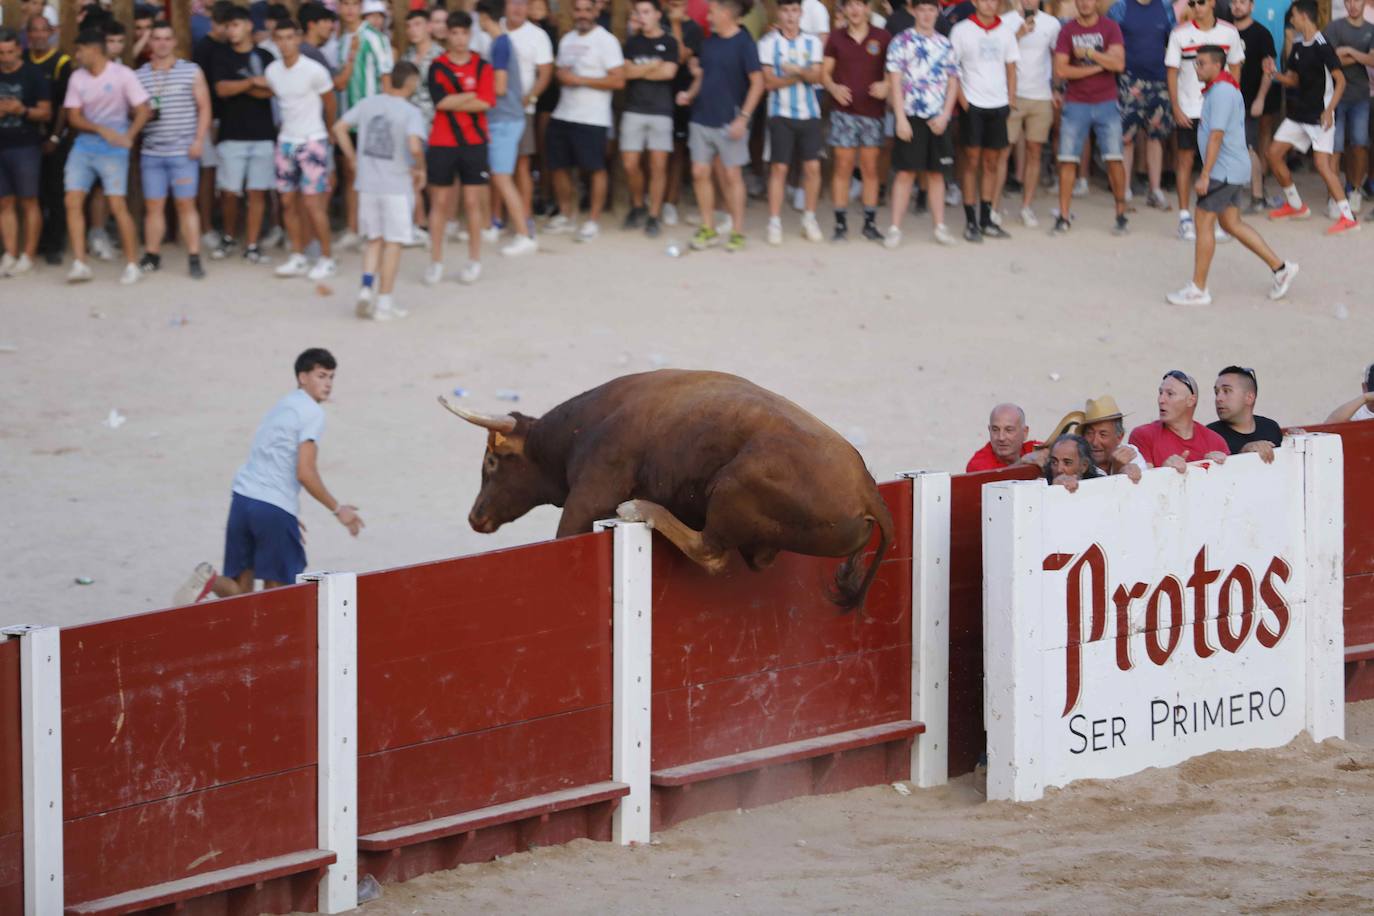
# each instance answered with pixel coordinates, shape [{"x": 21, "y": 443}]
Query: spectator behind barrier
[
  {"x": 1357, "y": 408},
  {"x": 1103, "y": 427},
  {"x": 1174, "y": 439},
  {"x": 1071, "y": 460},
  {"x": 1007, "y": 440},
  {"x": 1236, "y": 389}
]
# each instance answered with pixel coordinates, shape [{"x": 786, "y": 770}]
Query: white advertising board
[{"x": 1129, "y": 626}]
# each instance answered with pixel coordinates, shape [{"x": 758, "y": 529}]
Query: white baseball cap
[{"x": 374, "y": 6}]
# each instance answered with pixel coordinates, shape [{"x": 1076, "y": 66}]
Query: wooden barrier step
[
  {"x": 472, "y": 821},
  {"x": 210, "y": 882},
  {"x": 717, "y": 767}
]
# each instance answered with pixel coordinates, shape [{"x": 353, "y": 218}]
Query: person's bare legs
[
  {"x": 75, "y": 202},
  {"x": 1154, "y": 165},
  {"x": 1068, "y": 170},
  {"x": 900, "y": 196},
  {"x": 124, "y": 221},
  {"x": 1183, "y": 177},
  {"x": 703, "y": 183},
  {"x": 988, "y": 183},
  {"x": 658, "y": 181},
  {"x": 777, "y": 188},
  {"x": 1206, "y": 246},
  {"x": 600, "y": 183},
  {"x": 314, "y": 208},
  {"x": 391, "y": 265},
  {"x": 205, "y": 198},
  {"x": 935, "y": 197},
  {"x": 1326, "y": 167},
  {"x": 472, "y": 202},
  {"x": 735, "y": 196},
  {"x": 505, "y": 186},
  {"x": 9, "y": 225},
  {"x": 1278, "y": 165},
  {"x": 155, "y": 224},
  {"x": 841, "y": 176},
  {"x": 1249, "y": 237},
  {"x": 634, "y": 178},
  {"x": 1117, "y": 178},
  {"x": 441, "y": 200},
  {"x": 1030, "y": 173},
  {"x": 241, "y": 584},
  {"x": 257, "y": 206},
  {"x": 524, "y": 181},
  {"x": 868, "y": 172},
  {"x": 294, "y": 221},
  {"x": 229, "y": 206},
  {"x": 968, "y": 180},
  {"x": 564, "y": 193}
]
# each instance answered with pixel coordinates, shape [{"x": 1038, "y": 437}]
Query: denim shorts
[
  {"x": 1102, "y": 119},
  {"x": 503, "y": 144},
  {"x": 302, "y": 166},
  {"x": 91, "y": 158},
  {"x": 263, "y": 538},
  {"x": 1352, "y": 119},
  {"x": 246, "y": 165},
  {"x": 179, "y": 174}
]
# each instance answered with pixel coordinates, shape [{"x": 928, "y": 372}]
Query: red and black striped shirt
[{"x": 460, "y": 128}]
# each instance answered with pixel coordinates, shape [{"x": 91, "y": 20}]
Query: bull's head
[{"x": 512, "y": 484}]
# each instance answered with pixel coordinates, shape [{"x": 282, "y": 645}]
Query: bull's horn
[{"x": 504, "y": 424}]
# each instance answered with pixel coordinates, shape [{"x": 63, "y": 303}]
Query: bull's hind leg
[{"x": 689, "y": 541}]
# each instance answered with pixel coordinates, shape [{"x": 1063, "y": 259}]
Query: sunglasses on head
[{"x": 1182, "y": 376}]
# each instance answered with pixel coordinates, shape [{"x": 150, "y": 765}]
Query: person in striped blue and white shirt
[{"x": 791, "y": 62}]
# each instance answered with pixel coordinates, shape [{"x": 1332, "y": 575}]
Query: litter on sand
[
  {"x": 116, "y": 419},
  {"x": 84, "y": 580}
]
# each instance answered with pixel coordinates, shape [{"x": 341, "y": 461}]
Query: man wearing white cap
[{"x": 367, "y": 58}]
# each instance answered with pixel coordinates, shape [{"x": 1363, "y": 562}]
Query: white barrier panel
[{"x": 1129, "y": 626}]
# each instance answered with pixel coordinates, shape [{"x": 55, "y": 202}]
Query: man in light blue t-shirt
[
  {"x": 263, "y": 537},
  {"x": 1225, "y": 180}
]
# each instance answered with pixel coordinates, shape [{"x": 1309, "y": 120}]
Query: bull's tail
[{"x": 851, "y": 582}]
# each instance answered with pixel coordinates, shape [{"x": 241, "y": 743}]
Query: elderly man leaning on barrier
[
  {"x": 1175, "y": 439},
  {"x": 1103, "y": 427},
  {"x": 1007, "y": 440},
  {"x": 1357, "y": 408},
  {"x": 1071, "y": 460},
  {"x": 1236, "y": 389}
]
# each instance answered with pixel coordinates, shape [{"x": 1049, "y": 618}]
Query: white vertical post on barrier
[
  {"x": 337, "y": 769},
  {"x": 1013, "y": 676},
  {"x": 1324, "y": 524},
  {"x": 40, "y": 698},
  {"x": 631, "y": 688},
  {"x": 930, "y": 552}
]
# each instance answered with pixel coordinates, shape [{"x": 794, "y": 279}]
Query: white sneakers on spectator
[
  {"x": 387, "y": 310},
  {"x": 521, "y": 244},
  {"x": 419, "y": 238},
  {"x": 1190, "y": 295},
  {"x": 670, "y": 215},
  {"x": 588, "y": 231},
  {"x": 1080, "y": 187},
  {"x": 799, "y": 200},
  {"x": 774, "y": 233},
  {"x": 811, "y": 229},
  {"x": 1028, "y": 218},
  {"x": 98, "y": 241},
  {"x": 434, "y": 273},
  {"x": 1187, "y": 229},
  {"x": 366, "y": 302},
  {"x": 79, "y": 273},
  {"x": 892, "y": 238},
  {"x": 294, "y": 266},
  {"x": 472, "y": 271},
  {"x": 324, "y": 268},
  {"x": 349, "y": 241},
  {"x": 273, "y": 238},
  {"x": 1283, "y": 278},
  {"x": 131, "y": 275},
  {"x": 944, "y": 236},
  {"x": 7, "y": 262},
  {"x": 491, "y": 234},
  {"x": 557, "y": 225}
]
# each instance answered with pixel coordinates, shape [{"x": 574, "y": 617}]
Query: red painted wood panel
[
  {"x": 1359, "y": 611},
  {"x": 966, "y": 737},
  {"x": 1357, "y": 445},
  {"x": 12, "y": 873},
  {"x": 171, "y": 702},
  {"x": 189, "y": 834},
  {"x": 483, "y": 641},
  {"x": 11, "y": 783},
  {"x": 491, "y": 767},
  {"x": 745, "y": 660}
]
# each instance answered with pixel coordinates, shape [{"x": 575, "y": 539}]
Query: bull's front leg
[{"x": 587, "y": 505}]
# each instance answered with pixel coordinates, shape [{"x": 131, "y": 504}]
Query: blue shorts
[
  {"x": 1103, "y": 119},
  {"x": 1352, "y": 118},
  {"x": 263, "y": 538},
  {"x": 246, "y": 165},
  {"x": 20, "y": 168},
  {"x": 92, "y": 158},
  {"x": 178, "y": 174},
  {"x": 503, "y": 147}
]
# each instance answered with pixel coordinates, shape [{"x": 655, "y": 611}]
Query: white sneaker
[
  {"x": 995, "y": 217},
  {"x": 799, "y": 200},
  {"x": 419, "y": 238},
  {"x": 197, "y": 587},
  {"x": 954, "y": 197},
  {"x": 367, "y": 300},
  {"x": 1356, "y": 200},
  {"x": 1080, "y": 187},
  {"x": 669, "y": 215},
  {"x": 725, "y": 223},
  {"x": 99, "y": 244},
  {"x": 1221, "y": 235},
  {"x": 471, "y": 272},
  {"x": 491, "y": 234},
  {"x": 1333, "y": 209},
  {"x": 22, "y": 265},
  {"x": 1187, "y": 229},
  {"x": 588, "y": 231},
  {"x": 1130, "y": 195},
  {"x": 558, "y": 225},
  {"x": 521, "y": 244},
  {"x": 79, "y": 273},
  {"x": 1283, "y": 279},
  {"x": 7, "y": 262},
  {"x": 774, "y": 233},
  {"x": 893, "y": 238},
  {"x": 349, "y": 241},
  {"x": 811, "y": 229},
  {"x": 944, "y": 236},
  {"x": 388, "y": 312},
  {"x": 1028, "y": 217},
  {"x": 856, "y": 189},
  {"x": 209, "y": 241},
  {"x": 273, "y": 238},
  {"x": 434, "y": 273},
  {"x": 294, "y": 266},
  {"x": 324, "y": 268},
  {"x": 131, "y": 275},
  {"x": 1190, "y": 295}
]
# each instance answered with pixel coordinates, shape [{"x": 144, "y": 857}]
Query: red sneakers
[
  {"x": 1288, "y": 211},
  {"x": 1344, "y": 224}
]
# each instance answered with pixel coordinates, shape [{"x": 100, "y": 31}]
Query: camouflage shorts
[
  {"x": 849, "y": 131},
  {"x": 1145, "y": 106}
]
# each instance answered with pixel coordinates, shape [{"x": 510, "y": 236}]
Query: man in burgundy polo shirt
[
  {"x": 1175, "y": 439},
  {"x": 1008, "y": 440}
]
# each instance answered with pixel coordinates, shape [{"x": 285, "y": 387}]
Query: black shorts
[
  {"x": 985, "y": 128},
  {"x": 1221, "y": 197},
  {"x": 1186, "y": 138},
  {"x": 466, "y": 164},
  {"x": 788, "y": 136},
  {"x": 570, "y": 145},
  {"x": 925, "y": 151}
]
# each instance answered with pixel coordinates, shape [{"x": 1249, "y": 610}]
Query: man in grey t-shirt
[{"x": 1353, "y": 39}]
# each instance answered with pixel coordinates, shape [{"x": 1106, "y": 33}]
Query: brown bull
[{"x": 711, "y": 461}]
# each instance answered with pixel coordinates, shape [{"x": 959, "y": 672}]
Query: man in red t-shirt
[
  {"x": 1008, "y": 440},
  {"x": 463, "y": 88},
  {"x": 1174, "y": 439}
]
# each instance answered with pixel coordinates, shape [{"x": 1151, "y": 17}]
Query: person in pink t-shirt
[{"x": 1174, "y": 439}]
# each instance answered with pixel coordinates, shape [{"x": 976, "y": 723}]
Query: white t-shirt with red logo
[
  {"x": 982, "y": 54},
  {"x": 1184, "y": 42}
]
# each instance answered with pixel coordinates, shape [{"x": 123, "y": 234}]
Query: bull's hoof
[{"x": 631, "y": 511}]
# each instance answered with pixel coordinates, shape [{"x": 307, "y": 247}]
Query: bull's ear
[{"x": 503, "y": 444}]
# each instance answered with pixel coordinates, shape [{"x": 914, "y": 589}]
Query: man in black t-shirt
[
  {"x": 57, "y": 67},
  {"x": 651, "y": 65},
  {"x": 25, "y": 108},
  {"x": 1261, "y": 100},
  {"x": 203, "y": 55},
  {"x": 1236, "y": 390},
  {"x": 900, "y": 20}
]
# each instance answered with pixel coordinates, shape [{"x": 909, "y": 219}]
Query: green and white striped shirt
[{"x": 371, "y": 63}]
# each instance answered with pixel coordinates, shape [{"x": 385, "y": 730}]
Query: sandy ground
[
  {"x": 904, "y": 352},
  {"x": 1283, "y": 831}
]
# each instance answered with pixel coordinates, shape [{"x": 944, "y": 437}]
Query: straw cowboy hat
[{"x": 1096, "y": 410}]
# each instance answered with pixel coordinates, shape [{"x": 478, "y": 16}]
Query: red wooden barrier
[
  {"x": 11, "y": 784},
  {"x": 966, "y": 738},
  {"x": 189, "y": 747},
  {"x": 748, "y": 661},
  {"x": 483, "y": 681}
]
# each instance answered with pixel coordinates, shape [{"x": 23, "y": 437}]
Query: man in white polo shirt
[
  {"x": 791, "y": 61},
  {"x": 1033, "y": 114},
  {"x": 534, "y": 56},
  {"x": 986, "y": 50}
]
